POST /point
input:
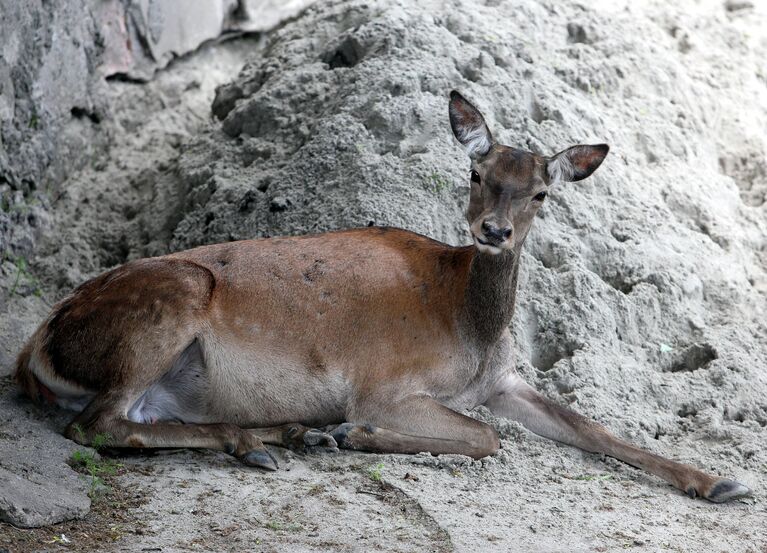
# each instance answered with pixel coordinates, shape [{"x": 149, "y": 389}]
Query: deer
[{"x": 374, "y": 339}]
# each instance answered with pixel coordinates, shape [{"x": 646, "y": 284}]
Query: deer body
[
  {"x": 285, "y": 327},
  {"x": 382, "y": 333}
]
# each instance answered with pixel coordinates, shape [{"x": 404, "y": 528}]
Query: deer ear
[
  {"x": 469, "y": 126},
  {"x": 576, "y": 163}
]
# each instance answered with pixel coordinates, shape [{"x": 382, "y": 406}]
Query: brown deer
[{"x": 384, "y": 333}]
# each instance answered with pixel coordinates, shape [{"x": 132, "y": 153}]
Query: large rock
[
  {"x": 49, "y": 110},
  {"x": 141, "y": 36},
  {"x": 37, "y": 486},
  {"x": 40, "y": 499},
  {"x": 54, "y": 57}
]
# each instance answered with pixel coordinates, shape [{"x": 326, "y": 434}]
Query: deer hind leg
[
  {"x": 515, "y": 399},
  {"x": 413, "y": 425},
  {"x": 105, "y": 417},
  {"x": 171, "y": 412},
  {"x": 181, "y": 395}
]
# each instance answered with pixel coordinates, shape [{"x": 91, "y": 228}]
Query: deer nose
[{"x": 495, "y": 232}]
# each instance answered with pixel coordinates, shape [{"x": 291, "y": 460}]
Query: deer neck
[{"x": 491, "y": 293}]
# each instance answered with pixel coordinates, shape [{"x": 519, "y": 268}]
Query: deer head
[{"x": 509, "y": 185}]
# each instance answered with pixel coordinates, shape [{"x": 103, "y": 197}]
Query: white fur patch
[
  {"x": 560, "y": 169},
  {"x": 476, "y": 141},
  {"x": 179, "y": 395},
  {"x": 487, "y": 248}
]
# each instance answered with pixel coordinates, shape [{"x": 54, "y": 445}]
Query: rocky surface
[
  {"x": 642, "y": 298},
  {"x": 38, "y": 487},
  {"x": 54, "y": 57},
  {"x": 49, "y": 108},
  {"x": 141, "y": 36}
]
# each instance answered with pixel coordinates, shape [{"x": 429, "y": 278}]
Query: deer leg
[
  {"x": 413, "y": 425},
  {"x": 297, "y": 437},
  {"x": 515, "y": 399},
  {"x": 102, "y": 418}
]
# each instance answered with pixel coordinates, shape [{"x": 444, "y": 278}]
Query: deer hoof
[
  {"x": 317, "y": 441},
  {"x": 260, "y": 458},
  {"x": 344, "y": 433},
  {"x": 341, "y": 433},
  {"x": 725, "y": 490}
]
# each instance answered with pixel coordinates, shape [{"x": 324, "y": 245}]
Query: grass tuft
[
  {"x": 375, "y": 472},
  {"x": 93, "y": 465}
]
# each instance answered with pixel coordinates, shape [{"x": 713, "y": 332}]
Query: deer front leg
[
  {"x": 513, "y": 398},
  {"x": 415, "y": 424},
  {"x": 297, "y": 437}
]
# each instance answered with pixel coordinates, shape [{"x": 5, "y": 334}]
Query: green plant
[
  {"x": 278, "y": 526},
  {"x": 92, "y": 465},
  {"x": 22, "y": 270},
  {"x": 375, "y": 472},
  {"x": 79, "y": 431},
  {"x": 100, "y": 441},
  {"x": 438, "y": 182},
  {"x": 317, "y": 489}
]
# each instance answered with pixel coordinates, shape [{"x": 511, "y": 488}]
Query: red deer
[{"x": 383, "y": 333}]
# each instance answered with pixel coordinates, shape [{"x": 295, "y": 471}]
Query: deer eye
[
  {"x": 540, "y": 196},
  {"x": 475, "y": 176}
]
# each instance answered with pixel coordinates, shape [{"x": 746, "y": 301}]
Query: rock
[
  {"x": 49, "y": 103},
  {"x": 54, "y": 57},
  {"x": 37, "y": 486},
  {"x": 42, "y": 498},
  {"x": 141, "y": 36}
]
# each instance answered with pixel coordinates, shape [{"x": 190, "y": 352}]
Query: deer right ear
[
  {"x": 469, "y": 126},
  {"x": 576, "y": 163}
]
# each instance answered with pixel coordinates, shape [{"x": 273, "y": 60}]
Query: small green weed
[
  {"x": 376, "y": 472},
  {"x": 438, "y": 182},
  {"x": 97, "y": 468},
  {"x": 278, "y": 526},
  {"x": 317, "y": 489},
  {"x": 22, "y": 270},
  {"x": 79, "y": 431},
  {"x": 100, "y": 441}
]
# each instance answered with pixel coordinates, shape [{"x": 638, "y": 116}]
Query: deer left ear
[
  {"x": 469, "y": 126},
  {"x": 576, "y": 163}
]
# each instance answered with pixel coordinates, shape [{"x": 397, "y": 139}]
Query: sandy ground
[{"x": 643, "y": 290}]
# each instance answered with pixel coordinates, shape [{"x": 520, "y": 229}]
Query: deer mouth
[{"x": 488, "y": 246}]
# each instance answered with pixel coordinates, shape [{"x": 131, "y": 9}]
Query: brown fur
[{"x": 92, "y": 336}]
